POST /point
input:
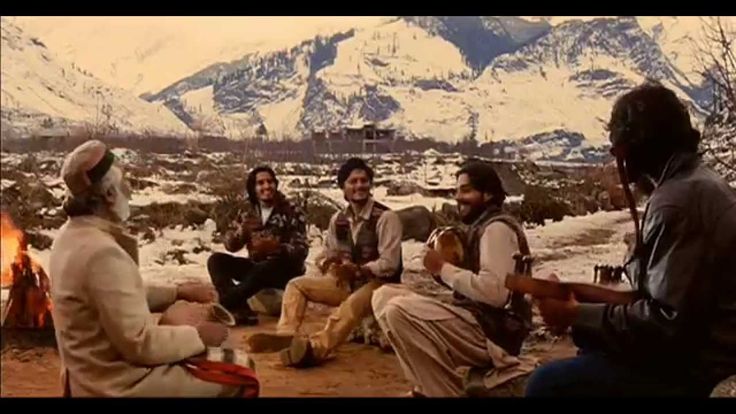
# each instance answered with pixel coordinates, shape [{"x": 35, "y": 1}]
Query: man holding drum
[{"x": 484, "y": 325}]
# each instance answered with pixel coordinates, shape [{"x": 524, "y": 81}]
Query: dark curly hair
[
  {"x": 652, "y": 119},
  {"x": 352, "y": 164},
  {"x": 483, "y": 177},
  {"x": 250, "y": 182}
]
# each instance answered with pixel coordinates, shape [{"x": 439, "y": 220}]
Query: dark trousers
[
  {"x": 225, "y": 269},
  {"x": 597, "y": 375}
]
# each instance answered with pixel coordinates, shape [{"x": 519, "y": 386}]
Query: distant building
[
  {"x": 52, "y": 133},
  {"x": 366, "y": 138}
]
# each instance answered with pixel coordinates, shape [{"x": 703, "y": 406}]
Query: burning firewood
[{"x": 29, "y": 304}]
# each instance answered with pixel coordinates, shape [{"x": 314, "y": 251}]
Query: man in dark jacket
[
  {"x": 274, "y": 231},
  {"x": 679, "y": 336}
]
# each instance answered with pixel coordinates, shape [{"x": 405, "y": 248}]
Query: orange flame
[
  {"x": 11, "y": 246},
  {"x": 29, "y": 304}
]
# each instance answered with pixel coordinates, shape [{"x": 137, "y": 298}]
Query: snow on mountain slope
[
  {"x": 568, "y": 79},
  {"x": 400, "y": 75},
  {"x": 236, "y": 98},
  {"x": 394, "y": 53},
  {"x": 147, "y": 53},
  {"x": 481, "y": 38},
  {"x": 678, "y": 38},
  {"x": 332, "y": 82},
  {"x": 417, "y": 74},
  {"x": 41, "y": 91}
]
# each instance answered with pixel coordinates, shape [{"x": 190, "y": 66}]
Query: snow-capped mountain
[
  {"x": 449, "y": 78},
  {"x": 145, "y": 54},
  {"x": 568, "y": 79},
  {"x": 482, "y": 38},
  {"x": 537, "y": 86},
  {"x": 40, "y": 91}
]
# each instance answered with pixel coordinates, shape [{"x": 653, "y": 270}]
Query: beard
[
  {"x": 473, "y": 214},
  {"x": 121, "y": 207}
]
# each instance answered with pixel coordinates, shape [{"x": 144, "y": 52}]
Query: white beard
[{"x": 121, "y": 207}]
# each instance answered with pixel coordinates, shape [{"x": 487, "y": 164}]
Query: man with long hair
[
  {"x": 274, "y": 230},
  {"x": 433, "y": 338},
  {"x": 678, "y": 337},
  {"x": 362, "y": 252}
]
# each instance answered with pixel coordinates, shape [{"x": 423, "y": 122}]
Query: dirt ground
[{"x": 357, "y": 370}]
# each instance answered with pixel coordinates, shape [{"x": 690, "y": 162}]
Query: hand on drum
[
  {"x": 433, "y": 261},
  {"x": 196, "y": 292},
  {"x": 265, "y": 246},
  {"x": 185, "y": 313},
  {"x": 345, "y": 272}
]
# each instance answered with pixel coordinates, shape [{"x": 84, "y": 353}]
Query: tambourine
[{"x": 450, "y": 243}]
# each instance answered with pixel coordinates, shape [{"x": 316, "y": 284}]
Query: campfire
[{"x": 29, "y": 304}]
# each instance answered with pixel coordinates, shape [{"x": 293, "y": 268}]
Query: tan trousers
[
  {"x": 437, "y": 342},
  {"x": 352, "y": 308}
]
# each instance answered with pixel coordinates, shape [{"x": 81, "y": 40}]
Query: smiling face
[
  {"x": 265, "y": 187},
  {"x": 470, "y": 202},
  {"x": 357, "y": 187}
]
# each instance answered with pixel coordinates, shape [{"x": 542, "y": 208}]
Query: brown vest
[
  {"x": 509, "y": 325},
  {"x": 365, "y": 248}
]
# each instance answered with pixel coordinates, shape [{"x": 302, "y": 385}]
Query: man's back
[
  {"x": 108, "y": 341},
  {"x": 700, "y": 263},
  {"x": 84, "y": 347}
]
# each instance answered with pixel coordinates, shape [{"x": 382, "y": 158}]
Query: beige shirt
[
  {"x": 497, "y": 247},
  {"x": 389, "y": 232},
  {"x": 108, "y": 340}
]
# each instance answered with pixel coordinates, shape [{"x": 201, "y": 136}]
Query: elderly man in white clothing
[
  {"x": 109, "y": 342},
  {"x": 433, "y": 339}
]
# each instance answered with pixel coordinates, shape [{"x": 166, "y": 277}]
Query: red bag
[{"x": 227, "y": 367}]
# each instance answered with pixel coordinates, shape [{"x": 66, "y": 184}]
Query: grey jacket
[{"x": 684, "y": 322}]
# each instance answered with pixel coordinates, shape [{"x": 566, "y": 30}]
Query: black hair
[
  {"x": 348, "y": 166},
  {"x": 250, "y": 182},
  {"x": 483, "y": 177},
  {"x": 652, "y": 119}
]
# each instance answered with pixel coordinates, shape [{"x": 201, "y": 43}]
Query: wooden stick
[{"x": 584, "y": 292}]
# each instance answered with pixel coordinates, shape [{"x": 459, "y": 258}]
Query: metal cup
[{"x": 219, "y": 314}]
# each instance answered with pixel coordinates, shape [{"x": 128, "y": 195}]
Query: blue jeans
[{"x": 597, "y": 375}]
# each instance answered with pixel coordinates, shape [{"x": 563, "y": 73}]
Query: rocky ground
[
  {"x": 358, "y": 370},
  {"x": 183, "y": 202}
]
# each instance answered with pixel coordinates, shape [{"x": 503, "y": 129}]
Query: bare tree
[
  {"x": 717, "y": 64},
  {"x": 715, "y": 56}
]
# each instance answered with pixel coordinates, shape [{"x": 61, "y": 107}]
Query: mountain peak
[
  {"x": 481, "y": 38},
  {"x": 41, "y": 91}
]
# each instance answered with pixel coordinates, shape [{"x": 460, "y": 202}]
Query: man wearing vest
[
  {"x": 362, "y": 251},
  {"x": 678, "y": 335},
  {"x": 432, "y": 339},
  {"x": 274, "y": 230}
]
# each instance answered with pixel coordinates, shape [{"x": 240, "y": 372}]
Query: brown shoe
[
  {"x": 299, "y": 355},
  {"x": 268, "y": 342}
]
